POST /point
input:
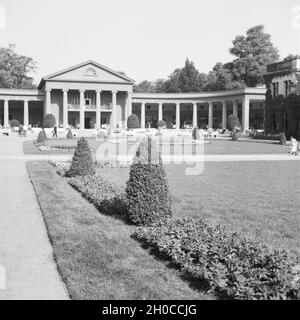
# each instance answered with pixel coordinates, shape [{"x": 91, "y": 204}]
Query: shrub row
[
  {"x": 232, "y": 265},
  {"x": 107, "y": 197}
]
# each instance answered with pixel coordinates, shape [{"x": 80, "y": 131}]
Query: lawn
[
  {"x": 216, "y": 147},
  {"x": 95, "y": 254},
  {"x": 260, "y": 199}
]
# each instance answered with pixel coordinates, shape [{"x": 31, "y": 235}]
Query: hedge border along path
[
  {"x": 229, "y": 263},
  {"x": 95, "y": 254}
]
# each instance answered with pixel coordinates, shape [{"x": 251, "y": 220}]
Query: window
[
  {"x": 287, "y": 86},
  {"x": 275, "y": 89},
  {"x": 87, "y": 102}
]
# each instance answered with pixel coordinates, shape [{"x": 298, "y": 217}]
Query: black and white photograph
[{"x": 149, "y": 152}]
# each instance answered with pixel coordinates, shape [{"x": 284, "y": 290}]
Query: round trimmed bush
[
  {"x": 147, "y": 190},
  {"x": 70, "y": 134},
  {"x": 133, "y": 122},
  {"x": 49, "y": 121},
  {"x": 15, "y": 123},
  {"x": 82, "y": 162},
  {"x": 161, "y": 124},
  {"x": 235, "y": 136},
  {"x": 233, "y": 122}
]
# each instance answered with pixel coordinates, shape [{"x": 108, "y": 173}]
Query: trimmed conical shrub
[
  {"x": 82, "y": 162},
  {"x": 147, "y": 190},
  {"x": 70, "y": 134},
  {"x": 41, "y": 137}
]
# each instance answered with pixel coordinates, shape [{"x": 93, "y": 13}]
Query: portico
[
  {"x": 198, "y": 109},
  {"x": 89, "y": 95}
]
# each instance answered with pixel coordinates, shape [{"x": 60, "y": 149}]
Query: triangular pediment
[{"x": 89, "y": 71}]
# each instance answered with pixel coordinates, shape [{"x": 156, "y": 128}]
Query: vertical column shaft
[
  {"x": 177, "y": 115},
  {"x": 195, "y": 120},
  {"x": 48, "y": 101},
  {"x": 65, "y": 108},
  {"x": 245, "y": 113},
  {"x": 224, "y": 115},
  {"x": 210, "y": 115},
  {"x": 160, "y": 111},
  {"x": 82, "y": 107},
  {"x": 143, "y": 115},
  {"x": 26, "y": 113},
  {"x": 98, "y": 109},
  {"x": 235, "y": 108},
  {"x": 6, "y": 113},
  {"x": 114, "y": 106}
]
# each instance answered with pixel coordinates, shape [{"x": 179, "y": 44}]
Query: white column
[
  {"x": 235, "y": 108},
  {"x": 26, "y": 113},
  {"x": 245, "y": 113},
  {"x": 82, "y": 107},
  {"x": 195, "y": 121},
  {"x": 114, "y": 106},
  {"x": 98, "y": 109},
  {"x": 48, "y": 101},
  {"x": 143, "y": 115},
  {"x": 210, "y": 115},
  {"x": 65, "y": 107},
  {"x": 128, "y": 109},
  {"x": 177, "y": 115},
  {"x": 6, "y": 113},
  {"x": 160, "y": 111},
  {"x": 224, "y": 115}
]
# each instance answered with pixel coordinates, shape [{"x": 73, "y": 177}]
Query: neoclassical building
[{"x": 89, "y": 95}]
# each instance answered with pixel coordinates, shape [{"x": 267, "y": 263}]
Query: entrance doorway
[{"x": 87, "y": 123}]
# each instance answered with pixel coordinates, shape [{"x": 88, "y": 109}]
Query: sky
[{"x": 144, "y": 39}]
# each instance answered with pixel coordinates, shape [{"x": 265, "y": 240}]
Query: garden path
[{"x": 26, "y": 254}]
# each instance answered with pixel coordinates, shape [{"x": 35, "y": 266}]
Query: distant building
[
  {"x": 282, "y": 97},
  {"x": 90, "y": 95}
]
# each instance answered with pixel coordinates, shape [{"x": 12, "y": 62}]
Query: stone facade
[{"x": 90, "y": 95}]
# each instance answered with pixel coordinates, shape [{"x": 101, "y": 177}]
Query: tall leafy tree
[
  {"x": 254, "y": 52},
  {"x": 144, "y": 86},
  {"x": 15, "y": 69}
]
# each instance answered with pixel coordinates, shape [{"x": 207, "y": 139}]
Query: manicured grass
[
  {"x": 260, "y": 199},
  {"x": 215, "y": 147},
  {"x": 95, "y": 254}
]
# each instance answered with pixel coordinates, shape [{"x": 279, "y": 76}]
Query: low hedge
[
  {"x": 230, "y": 264},
  {"x": 107, "y": 197}
]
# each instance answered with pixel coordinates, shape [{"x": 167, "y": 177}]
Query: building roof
[{"x": 86, "y": 63}]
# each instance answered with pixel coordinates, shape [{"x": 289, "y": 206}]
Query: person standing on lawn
[{"x": 55, "y": 132}]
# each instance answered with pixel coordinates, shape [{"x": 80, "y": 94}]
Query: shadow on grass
[{"x": 195, "y": 283}]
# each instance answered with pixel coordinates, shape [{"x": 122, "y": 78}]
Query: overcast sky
[{"x": 145, "y": 39}]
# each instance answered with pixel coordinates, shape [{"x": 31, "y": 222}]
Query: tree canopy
[
  {"x": 253, "y": 52},
  {"x": 15, "y": 69}
]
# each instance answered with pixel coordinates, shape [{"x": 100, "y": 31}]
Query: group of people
[{"x": 295, "y": 147}]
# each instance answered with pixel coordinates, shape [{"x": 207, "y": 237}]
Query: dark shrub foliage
[
  {"x": 195, "y": 134},
  {"x": 161, "y": 124},
  {"x": 231, "y": 264},
  {"x": 82, "y": 162},
  {"x": 70, "y": 134},
  {"x": 41, "y": 137},
  {"x": 158, "y": 134},
  {"x": 133, "y": 122},
  {"x": 107, "y": 197},
  {"x": 49, "y": 121},
  {"x": 147, "y": 190},
  {"x": 45, "y": 134},
  {"x": 282, "y": 138},
  {"x": 15, "y": 123},
  {"x": 235, "y": 136},
  {"x": 233, "y": 122}
]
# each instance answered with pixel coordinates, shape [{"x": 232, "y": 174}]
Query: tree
[
  {"x": 254, "y": 52},
  {"x": 15, "y": 69},
  {"x": 144, "y": 86}
]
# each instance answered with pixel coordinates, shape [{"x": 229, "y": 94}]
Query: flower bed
[
  {"x": 106, "y": 196},
  {"x": 229, "y": 263}
]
